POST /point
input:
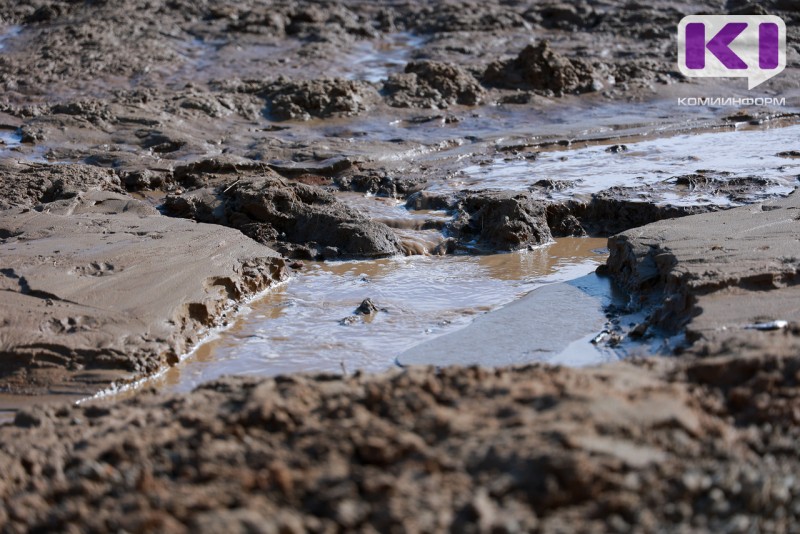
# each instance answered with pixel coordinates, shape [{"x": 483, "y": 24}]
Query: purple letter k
[{"x": 718, "y": 45}]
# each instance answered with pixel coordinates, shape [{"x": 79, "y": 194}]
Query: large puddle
[
  {"x": 717, "y": 157},
  {"x": 308, "y": 324}
]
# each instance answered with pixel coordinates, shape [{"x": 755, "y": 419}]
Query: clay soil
[{"x": 161, "y": 163}]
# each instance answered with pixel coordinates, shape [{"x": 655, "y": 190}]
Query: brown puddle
[{"x": 298, "y": 326}]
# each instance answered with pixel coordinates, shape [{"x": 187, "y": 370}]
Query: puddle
[
  {"x": 393, "y": 212},
  {"x": 371, "y": 60},
  {"x": 555, "y": 324},
  {"x": 720, "y": 156},
  {"x": 297, "y": 328},
  {"x": 9, "y": 33},
  {"x": 419, "y": 231},
  {"x": 10, "y": 139},
  {"x": 376, "y": 60}
]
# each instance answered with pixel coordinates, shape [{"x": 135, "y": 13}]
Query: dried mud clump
[
  {"x": 541, "y": 68},
  {"x": 500, "y": 221},
  {"x": 328, "y": 97},
  {"x": 299, "y": 220},
  {"x": 100, "y": 288},
  {"x": 432, "y": 84}
]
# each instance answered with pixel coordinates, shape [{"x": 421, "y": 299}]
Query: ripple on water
[
  {"x": 723, "y": 156},
  {"x": 296, "y": 328}
]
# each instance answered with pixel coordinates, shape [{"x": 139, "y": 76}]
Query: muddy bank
[
  {"x": 727, "y": 280},
  {"x": 664, "y": 445},
  {"x": 100, "y": 288}
]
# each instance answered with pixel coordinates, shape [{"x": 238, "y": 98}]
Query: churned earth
[{"x": 390, "y": 171}]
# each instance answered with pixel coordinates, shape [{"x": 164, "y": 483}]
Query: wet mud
[
  {"x": 393, "y": 173},
  {"x": 311, "y": 323}
]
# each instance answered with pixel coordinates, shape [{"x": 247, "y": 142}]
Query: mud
[
  {"x": 430, "y": 84},
  {"x": 305, "y": 220},
  {"x": 540, "y": 68},
  {"x": 100, "y": 289},
  {"x": 309, "y": 323},
  {"x": 318, "y": 98},
  {"x": 662, "y": 445},
  {"x": 747, "y": 276},
  {"x": 445, "y": 131}
]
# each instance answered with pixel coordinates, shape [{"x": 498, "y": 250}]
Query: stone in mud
[
  {"x": 541, "y": 68},
  {"x": 500, "y": 221},
  {"x": 367, "y": 307},
  {"x": 274, "y": 210},
  {"x": 433, "y": 84},
  {"x": 100, "y": 288},
  {"x": 327, "y": 97}
]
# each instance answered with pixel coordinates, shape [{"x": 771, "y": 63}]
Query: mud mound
[
  {"x": 301, "y": 100},
  {"x": 500, "y": 221},
  {"x": 540, "y": 68},
  {"x": 465, "y": 450},
  {"x": 718, "y": 275},
  {"x": 300, "y": 220},
  {"x": 28, "y": 184},
  {"x": 432, "y": 84}
]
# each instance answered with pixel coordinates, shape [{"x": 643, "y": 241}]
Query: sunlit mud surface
[
  {"x": 722, "y": 157},
  {"x": 300, "y": 327}
]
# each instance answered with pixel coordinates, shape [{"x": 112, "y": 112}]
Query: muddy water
[
  {"x": 298, "y": 327},
  {"x": 720, "y": 156},
  {"x": 7, "y": 33},
  {"x": 371, "y": 60},
  {"x": 375, "y": 60},
  {"x": 9, "y": 139}
]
